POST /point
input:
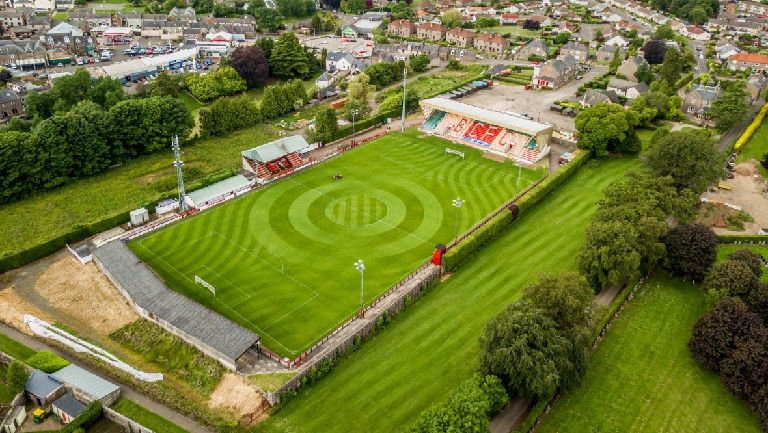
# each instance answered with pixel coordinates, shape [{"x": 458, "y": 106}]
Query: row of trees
[
  {"x": 223, "y": 82},
  {"x": 696, "y": 11},
  {"x": 86, "y": 140},
  {"x": 229, "y": 114}
]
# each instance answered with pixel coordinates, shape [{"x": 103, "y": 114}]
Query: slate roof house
[
  {"x": 553, "y": 74},
  {"x": 626, "y": 88},
  {"x": 593, "y": 97},
  {"x": 606, "y": 53},
  {"x": 580, "y": 52},
  {"x": 699, "y": 99},
  {"x": 629, "y": 67},
  {"x": 536, "y": 47},
  {"x": 461, "y": 37},
  {"x": 11, "y": 105}
]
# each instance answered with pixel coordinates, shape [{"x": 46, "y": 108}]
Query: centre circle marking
[{"x": 356, "y": 210}]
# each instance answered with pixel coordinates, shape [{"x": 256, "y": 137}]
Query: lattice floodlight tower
[{"x": 179, "y": 176}]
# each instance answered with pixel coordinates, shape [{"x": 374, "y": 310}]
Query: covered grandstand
[
  {"x": 275, "y": 158},
  {"x": 512, "y": 136}
]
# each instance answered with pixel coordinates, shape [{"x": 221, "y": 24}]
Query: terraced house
[
  {"x": 430, "y": 31},
  {"x": 492, "y": 43},
  {"x": 401, "y": 28},
  {"x": 460, "y": 37}
]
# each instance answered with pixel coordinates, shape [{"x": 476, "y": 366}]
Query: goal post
[
  {"x": 449, "y": 151},
  {"x": 202, "y": 282}
]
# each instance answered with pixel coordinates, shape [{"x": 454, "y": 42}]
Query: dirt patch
[
  {"x": 237, "y": 395},
  {"x": 445, "y": 276},
  {"x": 748, "y": 191},
  {"x": 13, "y": 308},
  {"x": 85, "y": 294}
]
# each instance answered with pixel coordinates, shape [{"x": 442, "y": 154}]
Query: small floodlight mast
[{"x": 179, "y": 176}]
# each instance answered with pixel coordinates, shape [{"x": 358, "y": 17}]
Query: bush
[
  {"x": 47, "y": 362},
  {"x": 16, "y": 376},
  {"x": 691, "y": 250},
  {"x": 734, "y": 277},
  {"x": 753, "y": 261}
]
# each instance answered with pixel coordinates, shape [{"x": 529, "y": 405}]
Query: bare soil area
[
  {"x": 13, "y": 308},
  {"x": 237, "y": 395},
  {"x": 748, "y": 191},
  {"x": 85, "y": 294}
]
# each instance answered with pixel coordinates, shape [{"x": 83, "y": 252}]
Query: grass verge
[
  {"x": 14, "y": 348},
  {"x": 146, "y": 417}
]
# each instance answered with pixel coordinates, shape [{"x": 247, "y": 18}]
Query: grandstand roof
[
  {"x": 497, "y": 118},
  {"x": 150, "y": 293},
  {"x": 218, "y": 189},
  {"x": 276, "y": 149}
]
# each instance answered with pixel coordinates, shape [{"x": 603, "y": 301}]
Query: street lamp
[
  {"x": 457, "y": 203},
  {"x": 353, "y": 113},
  {"x": 360, "y": 267}
]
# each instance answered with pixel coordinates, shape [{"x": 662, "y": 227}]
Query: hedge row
[
  {"x": 465, "y": 249},
  {"x": 47, "y": 362},
  {"x": 743, "y": 239},
  {"x": 687, "y": 78},
  {"x": 83, "y": 231},
  {"x": 750, "y": 131}
]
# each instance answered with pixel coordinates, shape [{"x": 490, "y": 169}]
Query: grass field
[
  {"x": 431, "y": 347},
  {"x": 756, "y": 147},
  {"x": 642, "y": 378},
  {"x": 15, "y": 349},
  {"x": 281, "y": 259},
  {"x": 146, "y": 417},
  {"x": 514, "y": 30}
]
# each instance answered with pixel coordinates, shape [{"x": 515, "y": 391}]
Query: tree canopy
[
  {"x": 689, "y": 156},
  {"x": 251, "y": 64},
  {"x": 730, "y": 108},
  {"x": 451, "y": 18},
  {"x": 691, "y": 250},
  {"x": 288, "y": 58},
  {"x": 607, "y": 128}
]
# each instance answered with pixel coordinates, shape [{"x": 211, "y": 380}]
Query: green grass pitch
[{"x": 281, "y": 259}]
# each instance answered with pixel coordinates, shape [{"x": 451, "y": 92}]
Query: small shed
[
  {"x": 42, "y": 388},
  {"x": 86, "y": 385},
  {"x": 167, "y": 205},
  {"x": 12, "y": 418},
  {"x": 139, "y": 216},
  {"x": 67, "y": 408}
]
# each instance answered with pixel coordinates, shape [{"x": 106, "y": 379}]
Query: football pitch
[{"x": 281, "y": 259}]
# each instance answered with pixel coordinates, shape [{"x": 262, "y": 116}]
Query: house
[
  {"x": 626, "y": 88},
  {"x": 696, "y": 33},
  {"x": 331, "y": 59},
  {"x": 66, "y": 408},
  {"x": 580, "y": 52},
  {"x": 324, "y": 80},
  {"x": 755, "y": 87},
  {"x": 492, "y": 43},
  {"x": 430, "y": 31},
  {"x": 593, "y": 97},
  {"x": 699, "y": 99},
  {"x": 617, "y": 41},
  {"x": 555, "y": 73},
  {"x": 630, "y": 66},
  {"x": 536, "y": 48},
  {"x": 42, "y": 389},
  {"x": 401, "y": 28},
  {"x": 606, "y": 53},
  {"x": 742, "y": 61},
  {"x": 726, "y": 51},
  {"x": 11, "y": 105},
  {"x": 131, "y": 19},
  {"x": 509, "y": 18},
  {"x": 87, "y": 386},
  {"x": 12, "y": 18},
  {"x": 460, "y": 37}
]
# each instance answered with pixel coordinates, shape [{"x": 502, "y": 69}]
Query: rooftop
[
  {"x": 41, "y": 384},
  {"x": 518, "y": 124},
  {"x": 85, "y": 381},
  {"x": 67, "y": 404},
  {"x": 276, "y": 149}
]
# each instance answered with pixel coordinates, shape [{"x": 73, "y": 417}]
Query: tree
[
  {"x": 644, "y": 74},
  {"x": 288, "y": 57},
  {"x": 664, "y": 32},
  {"x": 615, "y": 62},
  {"x": 698, "y": 15},
  {"x": 562, "y": 38},
  {"x": 316, "y": 24},
  {"x": 267, "y": 19},
  {"x": 689, "y": 156},
  {"x": 691, "y": 250},
  {"x": 164, "y": 85},
  {"x": 729, "y": 109},
  {"x": 733, "y": 278},
  {"x": 721, "y": 331},
  {"x": 523, "y": 347},
  {"x": 609, "y": 255},
  {"x": 566, "y": 298},
  {"x": 454, "y": 65},
  {"x": 359, "y": 87},
  {"x": 326, "y": 126},
  {"x": 671, "y": 67},
  {"x": 485, "y": 22},
  {"x": 147, "y": 125},
  {"x": 654, "y": 51},
  {"x": 356, "y": 110},
  {"x": 266, "y": 45},
  {"x": 16, "y": 376},
  {"x": 531, "y": 25},
  {"x": 402, "y": 11},
  {"x": 754, "y": 261},
  {"x": 250, "y": 63},
  {"x": 419, "y": 62},
  {"x": 451, "y": 18},
  {"x": 607, "y": 128},
  {"x": 354, "y": 7},
  {"x": 758, "y": 301},
  {"x": 394, "y": 102}
]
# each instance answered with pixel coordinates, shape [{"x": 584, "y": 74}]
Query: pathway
[
  {"x": 126, "y": 390},
  {"x": 727, "y": 139}
]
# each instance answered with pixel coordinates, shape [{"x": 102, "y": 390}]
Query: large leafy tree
[
  {"x": 607, "y": 128},
  {"x": 402, "y": 11},
  {"x": 654, "y": 51},
  {"x": 753, "y": 260},
  {"x": 691, "y": 250},
  {"x": 689, "y": 156},
  {"x": 730, "y": 108},
  {"x": 723, "y": 330},
  {"x": 566, "y": 298},
  {"x": 164, "y": 85},
  {"x": 451, "y": 18},
  {"x": 326, "y": 125},
  {"x": 288, "y": 58},
  {"x": 147, "y": 125},
  {"x": 250, "y": 63},
  {"x": 268, "y": 20},
  {"x": 524, "y": 348},
  {"x": 732, "y": 277},
  {"x": 644, "y": 73},
  {"x": 671, "y": 67},
  {"x": 22, "y": 164}
]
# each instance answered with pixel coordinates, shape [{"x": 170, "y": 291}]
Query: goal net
[
  {"x": 449, "y": 151},
  {"x": 205, "y": 284}
]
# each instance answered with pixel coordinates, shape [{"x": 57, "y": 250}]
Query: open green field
[
  {"x": 514, "y": 30},
  {"x": 281, "y": 259},
  {"x": 641, "y": 377},
  {"x": 146, "y": 417},
  {"x": 15, "y": 349},
  {"x": 45, "y": 216},
  {"x": 433, "y": 346},
  {"x": 756, "y": 147}
]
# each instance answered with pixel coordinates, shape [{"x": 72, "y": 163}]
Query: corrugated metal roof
[
  {"x": 41, "y": 384},
  {"x": 85, "y": 381},
  {"x": 276, "y": 149},
  {"x": 217, "y": 189},
  {"x": 149, "y": 292},
  {"x": 489, "y": 116},
  {"x": 67, "y": 404}
]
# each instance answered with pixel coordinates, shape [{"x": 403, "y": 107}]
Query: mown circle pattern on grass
[{"x": 356, "y": 210}]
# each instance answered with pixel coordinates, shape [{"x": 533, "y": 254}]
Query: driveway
[{"x": 536, "y": 103}]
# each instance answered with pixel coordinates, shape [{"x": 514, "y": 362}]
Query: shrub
[
  {"x": 735, "y": 277},
  {"x": 753, "y": 260},
  {"x": 691, "y": 250},
  {"x": 47, "y": 362},
  {"x": 16, "y": 376}
]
